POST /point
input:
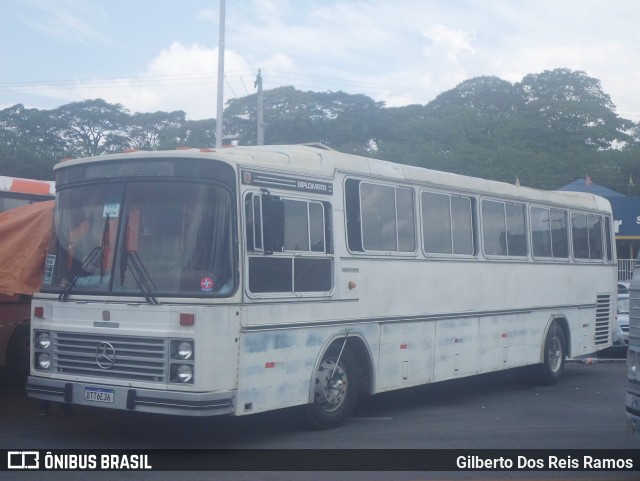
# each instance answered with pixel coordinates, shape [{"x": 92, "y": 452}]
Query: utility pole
[
  {"x": 260, "y": 113},
  {"x": 219, "y": 120}
]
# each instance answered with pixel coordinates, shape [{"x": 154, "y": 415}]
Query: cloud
[
  {"x": 71, "y": 20},
  {"x": 209, "y": 16},
  {"x": 181, "y": 77},
  {"x": 448, "y": 42},
  {"x": 398, "y": 52}
]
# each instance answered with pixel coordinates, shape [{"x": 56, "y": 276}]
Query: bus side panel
[
  {"x": 456, "y": 352},
  {"x": 406, "y": 354},
  {"x": 276, "y": 366},
  {"x": 583, "y": 329},
  {"x": 510, "y": 340}
]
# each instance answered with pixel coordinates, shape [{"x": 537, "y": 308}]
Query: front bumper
[{"x": 134, "y": 399}]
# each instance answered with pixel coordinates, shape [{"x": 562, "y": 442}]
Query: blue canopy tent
[{"x": 586, "y": 185}]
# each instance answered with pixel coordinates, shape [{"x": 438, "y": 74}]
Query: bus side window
[
  {"x": 265, "y": 223},
  {"x": 587, "y": 232},
  {"x": 504, "y": 228},
  {"x": 607, "y": 238},
  {"x": 292, "y": 233},
  {"x": 352, "y": 207},
  {"x": 447, "y": 224},
  {"x": 595, "y": 237},
  {"x": 253, "y": 217},
  {"x": 380, "y": 218},
  {"x": 541, "y": 232},
  {"x": 559, "y": 234},
  {"x": 273, "y": 223},
  {"x": 579, "y": 236}
]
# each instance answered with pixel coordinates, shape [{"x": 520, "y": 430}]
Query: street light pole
[
  {"x": 260, "y": 112},
  {"x": 220, "y": 113}
]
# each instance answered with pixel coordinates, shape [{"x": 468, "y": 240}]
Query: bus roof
[
  {"x": 27, "y": 186},
  {"x": 325, "y": 162}
]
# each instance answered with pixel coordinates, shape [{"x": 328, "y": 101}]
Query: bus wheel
[
  {"x": 335, "y": 390},
  {"x": 554, "y": 354},
  {"x": 18, "y": 356}
]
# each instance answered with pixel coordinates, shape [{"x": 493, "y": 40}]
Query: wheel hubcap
[
  {"x": 555, "y": 354},
  {"x": 331, "y": 385}
]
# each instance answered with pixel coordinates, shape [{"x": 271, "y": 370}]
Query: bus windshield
[{"x": 145, "y": 237}]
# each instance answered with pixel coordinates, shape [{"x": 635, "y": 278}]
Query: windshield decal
[
  {"x": 207, "y": 284},
  {"x": 49, "y": 266},
  {"x": 111, "y": 210}
]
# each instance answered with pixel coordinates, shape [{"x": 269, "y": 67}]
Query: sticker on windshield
[
  {"x": 111, "y": 210},
  {"x": 49, "y": 266},
  {"x": 206, "y": 284}
]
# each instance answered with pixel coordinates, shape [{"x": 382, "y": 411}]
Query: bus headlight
[
  {"x": 182, "y": 373},
  {"x": 185, "y": 350},
  {"x": 43, "y": 340},
  {"x": 182, "y": 349},
  {"x": 44, "y": 361},
  {"x": 42, "y": 350},
  {"x": 182, "y": 360}
]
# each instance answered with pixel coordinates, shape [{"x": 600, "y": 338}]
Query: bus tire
[
  {"x": 555, "y": 352},
  {"x": 335, "y": 390},
  {"x": 18, "y": 354}
]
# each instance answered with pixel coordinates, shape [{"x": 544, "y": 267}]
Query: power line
[{"x": 299, "y": 80}]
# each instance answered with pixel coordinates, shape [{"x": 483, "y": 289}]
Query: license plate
[{"x": 98, "y": 395}]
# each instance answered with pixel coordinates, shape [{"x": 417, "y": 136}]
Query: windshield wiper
[
  {"x": 140, "y": 275},
  {"x": 89, "y": 266},
  {"x": 138, "y": 271}
]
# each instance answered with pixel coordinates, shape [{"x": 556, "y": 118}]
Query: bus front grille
[
  {"x": 603, "y": 319},
  {"x": 113, "y": 357}
]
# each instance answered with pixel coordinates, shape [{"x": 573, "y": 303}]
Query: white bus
[{"x": 247, "y": 279}]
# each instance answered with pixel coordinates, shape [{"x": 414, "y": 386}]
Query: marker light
[{"x": 187, "y": 319}]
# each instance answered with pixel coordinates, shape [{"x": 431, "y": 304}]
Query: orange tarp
[{"x": 24, "y": 237}]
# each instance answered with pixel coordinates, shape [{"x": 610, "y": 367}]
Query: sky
[{"x": 162, "y": 55}]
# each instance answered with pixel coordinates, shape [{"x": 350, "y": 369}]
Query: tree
[
  {"x": 92, "y": 127},
  {"x": 291, "y": 116},
  {"x": 546, "y": 130},
  {"x": 29, "y": 144},
  {"x": 572, "y": 109},
  {"x": 148, "y": 131},
  {"x": 464, "y": 130}
]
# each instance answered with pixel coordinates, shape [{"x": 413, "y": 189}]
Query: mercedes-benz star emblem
[{"x": 105, "y": 355}]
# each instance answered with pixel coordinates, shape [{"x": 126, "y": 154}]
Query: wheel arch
[
  {"x": 359, "y": 347},
  {"x": 559, "y": 321},
  {"x": 16, "y": 329}
]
